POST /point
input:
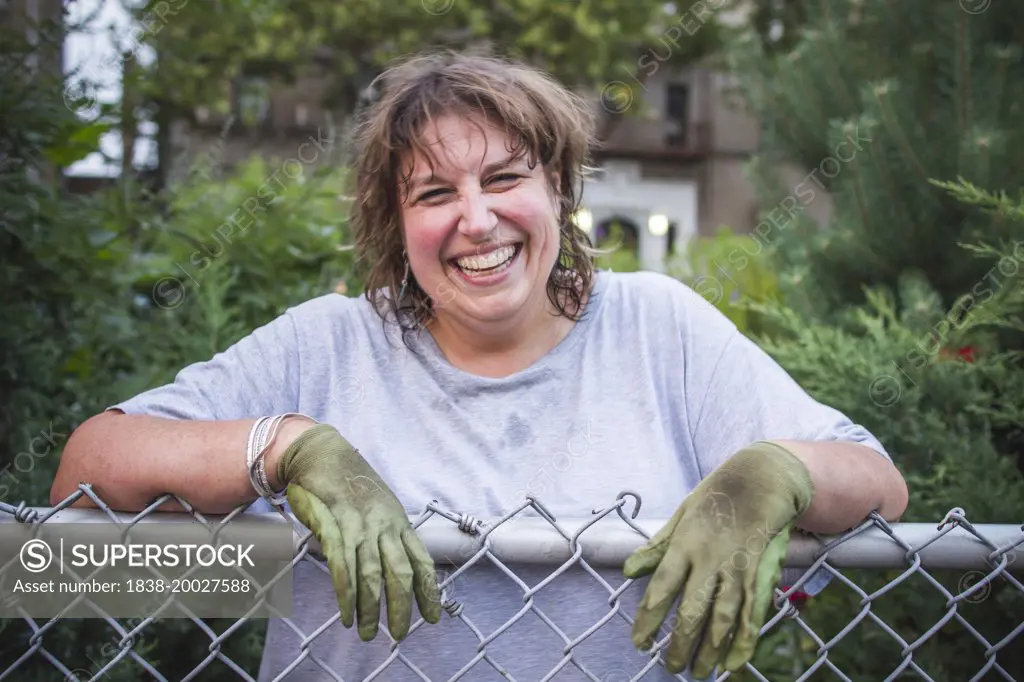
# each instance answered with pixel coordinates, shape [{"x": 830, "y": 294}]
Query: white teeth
[{"x": 488, "y": 261}]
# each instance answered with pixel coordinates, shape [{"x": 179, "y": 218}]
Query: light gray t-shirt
[{"x": 650, "y": 392}]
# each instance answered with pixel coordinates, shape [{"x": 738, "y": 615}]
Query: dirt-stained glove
[
  {"x": 724, "y": 550},
  {"x": 364, "y": 532}
]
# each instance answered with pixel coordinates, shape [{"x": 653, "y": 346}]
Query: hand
[
  {"x": 724, "y": 549},
  {"x": 363, "y": 530}
]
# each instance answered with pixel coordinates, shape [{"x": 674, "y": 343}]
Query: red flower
[
  {"x": 798, "y": 598},
  {"x": 966, "y": 353}
]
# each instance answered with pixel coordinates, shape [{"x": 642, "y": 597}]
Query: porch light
[{"x": 657, "y": 225}]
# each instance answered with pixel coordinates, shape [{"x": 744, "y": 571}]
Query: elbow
[
  {"x": 890, "y": 496},
  {"x": 886, "y": 488},
  {"x": 898, "y": 497},
  {"x": 68, "y": 469},
  {"x": 78, "y": 462}
]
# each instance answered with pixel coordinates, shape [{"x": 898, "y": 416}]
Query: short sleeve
[
  {"x": 256, "y": 376},
  {"x": 741, "y": 395}
]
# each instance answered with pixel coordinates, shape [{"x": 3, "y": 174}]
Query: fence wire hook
[
  {"x": 636, "y": 497},
  {"x": 619, "y": 501},
  {"x": 954, "y": 515},
  {"x": 541, "y": 509}
]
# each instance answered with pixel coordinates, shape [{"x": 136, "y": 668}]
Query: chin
[{"x": 493, "y": 306}]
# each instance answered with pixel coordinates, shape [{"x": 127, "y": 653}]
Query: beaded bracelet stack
[{"x": 261, "y": 436}]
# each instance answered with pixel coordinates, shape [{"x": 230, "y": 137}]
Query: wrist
[
  {"x": 764, "y": 475},
  {"x": 785, "y": 471},
  {"x": 288, "y": 432}
]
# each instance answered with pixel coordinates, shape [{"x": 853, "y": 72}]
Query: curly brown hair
[{"x": 546, "y": 122}]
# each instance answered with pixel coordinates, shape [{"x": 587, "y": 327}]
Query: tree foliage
[
  {"x": 929, "y": 91},
  {"x": 199, "y": 46}
]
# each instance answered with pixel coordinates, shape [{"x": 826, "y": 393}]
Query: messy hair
[{"x": 546, "y": 123}]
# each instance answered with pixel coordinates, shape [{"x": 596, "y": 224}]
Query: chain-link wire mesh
[{"x": 983, "y": 553}]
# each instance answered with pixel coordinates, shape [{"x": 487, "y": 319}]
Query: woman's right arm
[
  {"x": 130, "y": 460},
  {"x": 189, "y": 437}
]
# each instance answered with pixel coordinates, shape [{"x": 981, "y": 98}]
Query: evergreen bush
[{"x": 904, "y": 309}]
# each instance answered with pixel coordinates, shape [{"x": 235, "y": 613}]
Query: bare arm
[
  {"x": 850, "y": 481},
  {"x": 129, "y": 460}
]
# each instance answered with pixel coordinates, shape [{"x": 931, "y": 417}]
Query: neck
[{"x": 499, "y": 350}]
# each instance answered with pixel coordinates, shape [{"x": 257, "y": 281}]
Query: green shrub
[
  {"x": 729, "y": 270},
  {"x": 230, "y": 255},
  {"x": 945, "y": 395},
  {"x": 109, "y": 294}
]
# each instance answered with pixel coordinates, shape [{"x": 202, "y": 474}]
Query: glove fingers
[
  {"x": 424, "y": 576},
  {"x": 758, "y": 590},
  {"x": 352, "y": 566},
  {"x": 398, "y": 584},
  {"x": 727, "y": 605},
  {"x": 368, "y": 601},
  {"x": 645, "y": 559},
  {"x": 690, "y": 618},
  {"x": 316, "y": 516},
  {"x": 658, "y": 599}
]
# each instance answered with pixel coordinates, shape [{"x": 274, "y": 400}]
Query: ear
[{"x": 554, "y": 177}]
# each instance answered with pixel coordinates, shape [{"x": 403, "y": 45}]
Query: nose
[{"x": 478, "y": 220}]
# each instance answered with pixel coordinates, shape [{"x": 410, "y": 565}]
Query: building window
[
  {"x": 677, "y": 114},
  {"x": 252, "y": 101}
]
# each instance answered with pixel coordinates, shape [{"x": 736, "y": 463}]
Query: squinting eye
[
  {"x": 431, "y": 194},
  {"x": 506, "y": 177}
]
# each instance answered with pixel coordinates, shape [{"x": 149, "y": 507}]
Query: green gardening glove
[
  {"x": 724, "y": 550},
  {"x": 363, "y": 530}
]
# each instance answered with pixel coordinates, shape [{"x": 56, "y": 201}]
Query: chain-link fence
[{"x": 978, "y": 561}]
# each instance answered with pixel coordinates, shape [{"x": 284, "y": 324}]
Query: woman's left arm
[{"x": 850, "y": 481}]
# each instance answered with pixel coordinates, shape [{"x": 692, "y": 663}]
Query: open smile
[{"x": 487, "y": 264}]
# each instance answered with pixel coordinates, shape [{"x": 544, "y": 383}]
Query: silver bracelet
[
  {"x": 256, "y": 445},
  {"x": 261, "y": 436}
]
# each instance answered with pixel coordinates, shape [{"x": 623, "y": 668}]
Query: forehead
[{"x": 452, "y": 144}]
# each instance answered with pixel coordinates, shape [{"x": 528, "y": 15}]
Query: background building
[{"x": 674, "y": 169}]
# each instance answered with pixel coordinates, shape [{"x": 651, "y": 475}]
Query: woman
[{"x": 502, "y": 347}]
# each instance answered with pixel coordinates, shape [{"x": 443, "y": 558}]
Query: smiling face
[{"x": 481, "y": 227}]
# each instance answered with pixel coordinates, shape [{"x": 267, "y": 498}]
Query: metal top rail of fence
[{"x": 985, "y": 555}]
